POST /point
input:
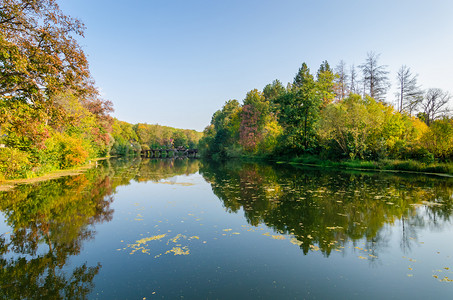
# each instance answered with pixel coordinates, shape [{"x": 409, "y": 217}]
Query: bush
[
  {"x": 64, "y": 151},
  {"x": 14, "y": 163}
]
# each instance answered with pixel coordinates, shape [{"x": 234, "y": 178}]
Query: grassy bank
[{"x": 381, "y": 165}]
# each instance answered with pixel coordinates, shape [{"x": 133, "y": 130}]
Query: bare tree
[
  {"x": 376, "y": 82},
  {"x": 354, "y": 82},
  {"x": 409, "y": 95},
  {"x": 341, "y": 80},
  {"x": 434, "y": 105}
]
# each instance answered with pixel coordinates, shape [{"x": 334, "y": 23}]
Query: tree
[
  {"x": 439, "y": 138},
  {"x": 325, "y": 83},
  {"x": 253, "y": 118},
  {"x": 434, "y": 105},
  {"x": 299, "y": 112},
  {"x": 39, "y": 53},
  {"x": 341, "y": 80},
  {"x": 302, "y": 77},
  {"x": 409, "y": 93},
  {"x": 354, "y": 82},
  {"x": 376, "y": 82},
  {"x": 273, "y": 90}
]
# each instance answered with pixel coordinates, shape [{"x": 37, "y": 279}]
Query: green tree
[
  {"x": 299, "y": 113},
  {"x": 325, "y": 83}
]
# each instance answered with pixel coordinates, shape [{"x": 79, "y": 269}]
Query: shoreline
[{"x": 391, "y": 166}]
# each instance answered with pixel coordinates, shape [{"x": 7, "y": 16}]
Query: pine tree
[{"x": 302, "y": 77}]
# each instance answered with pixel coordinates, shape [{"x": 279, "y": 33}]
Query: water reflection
[
  {"x": 49, "y": 222},
  {"x": 325, "y": 210}
]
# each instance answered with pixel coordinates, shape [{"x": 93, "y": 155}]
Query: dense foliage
[
  {"x": 51, "y": 115},
  {"x": 130, "y": 139},
  {"x": 327, "y": 116}
]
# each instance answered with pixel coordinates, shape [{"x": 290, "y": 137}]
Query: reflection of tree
[
  {"x": 329, "y": 208},
  {"x": 50, "y": 222}
]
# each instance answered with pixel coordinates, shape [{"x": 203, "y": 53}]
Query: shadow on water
[
  {"x": 323, "y": 210},
  {"x": 50, "y": 221}
]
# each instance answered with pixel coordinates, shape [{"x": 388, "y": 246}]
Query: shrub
[{"x": 14, "y": 163}]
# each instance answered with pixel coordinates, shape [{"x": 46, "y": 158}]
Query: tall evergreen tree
[
  {"x": 303, "y": 76},
  {"x": 299, "y": 112},
  {"x": 325, "y": 83}
]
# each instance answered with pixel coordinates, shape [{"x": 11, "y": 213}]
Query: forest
[
  {"x": 52, "y": 116},
  {"x": 336, "y": 114}
]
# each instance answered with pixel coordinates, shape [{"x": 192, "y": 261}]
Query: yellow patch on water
[
  {"x": 361, "y": 257},
  {"x": 278, "y": 237},
  {"x": 179, "y": 251},
  {"x": 176, "y": 238},
  {"x": 314, "y": 248},
  {"x": 335, "y": 227},
  {"x": 228, "y": 229},
  {"x": 148, "y": 239},
  {"x": 177, "y": 183},
  {"x": 296, "y": 242}
]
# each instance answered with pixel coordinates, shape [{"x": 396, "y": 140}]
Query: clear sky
[{"x": 175, "y": 62}]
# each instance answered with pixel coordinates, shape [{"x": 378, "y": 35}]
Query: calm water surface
[{"x": 188, "y": 229}]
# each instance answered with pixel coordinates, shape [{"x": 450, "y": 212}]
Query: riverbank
[
  {"x": 9, "y": 184},
  {"x": 387, "y": 165}
]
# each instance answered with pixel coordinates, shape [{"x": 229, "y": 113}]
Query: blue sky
[{"x": 175, "y": 62}]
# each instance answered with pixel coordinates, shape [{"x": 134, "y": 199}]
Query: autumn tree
[
  {"x": 50, "y": 108},
  {"x": 375, "y": 79},
  {"x": 253, "y": 119},
  {"x": 40, "y": 54},
  {"x": 408, "y": 93}
]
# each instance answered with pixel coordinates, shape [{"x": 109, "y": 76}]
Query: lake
[{"x": 191, "y": 229}]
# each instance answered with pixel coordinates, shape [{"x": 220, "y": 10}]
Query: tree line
[
  {"x": 338, "y": 113},
  {"x": 130, "y": 139}
]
